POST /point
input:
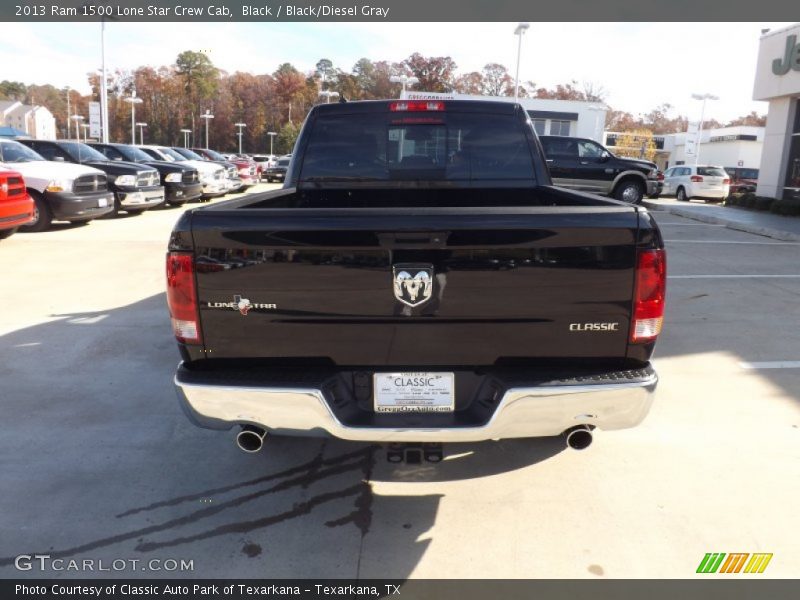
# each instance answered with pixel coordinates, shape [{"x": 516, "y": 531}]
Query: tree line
[{"x": 175, "y": 96}]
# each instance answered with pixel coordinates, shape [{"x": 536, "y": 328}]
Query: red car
[
  {"x": 247, "y": 168},
  {"x": 742, "y": 179},
  {"x": 16, "y": 206}
]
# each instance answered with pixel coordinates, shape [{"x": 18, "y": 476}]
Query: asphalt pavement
[{"x": 97, "y": 462}]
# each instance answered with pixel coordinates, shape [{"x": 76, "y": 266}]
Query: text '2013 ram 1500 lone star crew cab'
[{"x": 417, "y": 279}]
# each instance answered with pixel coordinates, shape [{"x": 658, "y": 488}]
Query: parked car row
[
  {"x": 72, "y": 181},
  {"x": 583, "y": 164}
]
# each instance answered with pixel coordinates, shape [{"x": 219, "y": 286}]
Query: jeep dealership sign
[{"x": 778, "y": 67}]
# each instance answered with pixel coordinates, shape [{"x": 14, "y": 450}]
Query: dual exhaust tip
[
  {"x": 251, "y": 439},
  {"x": 580, "y": 437}
]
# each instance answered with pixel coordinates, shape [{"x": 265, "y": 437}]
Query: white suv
[{"x": 690, "y": 181}]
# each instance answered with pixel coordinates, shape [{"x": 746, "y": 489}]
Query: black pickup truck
[
  {"x": 181, "y": 183},
  {"x": 136, "y": 187},
  {"x": 417, "y": 279},
  {"x": 583, "y": 164}
]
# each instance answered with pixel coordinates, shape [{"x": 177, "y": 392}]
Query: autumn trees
[{"x": 174, "y": 97}]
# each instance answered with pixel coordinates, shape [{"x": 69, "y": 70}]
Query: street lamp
[
  {"x": 405, "y": 80},
  {"x": 271, "y": 135},
  {"x": 85, "y": 127},
  {"x": 186, "y": 133},
  {"x": 240, "y": 125},
  {"x": 69, "y": 131},
  {"x": 597, "y": 110},
  {"x": 207, "y": 116},
  {"x": 141, "y": 127},
  {"x": 133, "y": 100},
  {"x": 328, "y": 94},
  {"x": 103, "y": 84},
  {"x": 520, "y": 31},
  {"x": 702, "y": 97},
  {"x": 77, "y": 119}
]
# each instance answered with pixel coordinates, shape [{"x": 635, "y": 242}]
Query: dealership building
[
  {"x": 549, "y": 117},
  {"x": 778, "y": 82}
]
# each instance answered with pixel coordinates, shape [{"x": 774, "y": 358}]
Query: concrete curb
[{"x": 770, "y": 232}]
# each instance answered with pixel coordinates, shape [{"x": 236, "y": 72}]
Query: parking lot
[{"x": 98, "y": 462}]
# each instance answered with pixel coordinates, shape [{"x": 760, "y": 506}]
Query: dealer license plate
[
  {"x": 102, "y": 202},
  {"x": 414, "y": 392}
]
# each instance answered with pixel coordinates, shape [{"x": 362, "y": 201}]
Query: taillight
[
  {"x": 726, "y": 181},
  {"x": 660, "y": 176},
  {"x": 649, "y": 293},
  {"x": 182, "y": 298},
  {"x": 416, "y": 106},
  {"x": 696, "y": 178}
]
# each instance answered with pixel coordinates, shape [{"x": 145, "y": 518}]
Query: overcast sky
[{"x": 640, "y": 65}]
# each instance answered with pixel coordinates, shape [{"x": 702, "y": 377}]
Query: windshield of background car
[
  {"x": 82, "y": 152},
  {"x": 744, "y": 173},
  {"x": 215, "y": 155},
  {"x": 13, "y": 152},
  {"x": 134, "y": 154},
  {"x": 173, "y": 155},
  {"x": 188, "y": 154},
  {"x": 417, "y": 146},
  {"x": 711, "y": 172},
  {"x": 284, "y": 162}
]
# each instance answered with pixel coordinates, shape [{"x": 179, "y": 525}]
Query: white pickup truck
[{"x": 61, "y": 191}]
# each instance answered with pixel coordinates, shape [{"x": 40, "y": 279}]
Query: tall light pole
[
  {"x": 240, "y": 125},
  {"x": 328, "y": 94},
  {"x": 133, "y": 100},
  {"x": 69, "y": 131},
  {"x": 186, "y": 133},
  {"x": 405, "y": 80},
  {"x": 141, "y": 127},
  {"x": 103, "y": 84},
  {"x": 702, "y": 97},
  {"x": 77, "y": 119},
  {"x": 271, "y": 135},
  {"x": 597, "y": 110},
  {"x": 207, "y": 116},
  {"x": 519, "y": 31},
  {"x": 85, "y": 127}
]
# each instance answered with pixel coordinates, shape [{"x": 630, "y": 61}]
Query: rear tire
[
  {"x": 42, "y": 217},
  {"x": 5, "y": 233},
  {"x": 630, "y": 191},
  {"x": 680, "y": 195}
]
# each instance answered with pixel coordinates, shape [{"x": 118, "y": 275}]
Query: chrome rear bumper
[{"x": 522, "y": 412}]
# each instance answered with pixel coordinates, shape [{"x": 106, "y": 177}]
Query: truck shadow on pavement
[{"x": 124, "y": 474}]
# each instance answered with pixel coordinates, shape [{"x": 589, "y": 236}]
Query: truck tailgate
[{"x": 506, "y": 283}]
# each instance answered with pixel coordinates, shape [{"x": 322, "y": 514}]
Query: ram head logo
[{"x": 413, "y": 284}]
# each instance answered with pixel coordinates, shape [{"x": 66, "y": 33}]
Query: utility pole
[
  {"x": 69, "y": 131},
  {"x": 103, "y": 84},
  {"x": 520, "y": 31},
  {"x": 240, "y": 125}
]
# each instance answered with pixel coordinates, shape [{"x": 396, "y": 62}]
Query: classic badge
[{"x": 413, "y": 284}]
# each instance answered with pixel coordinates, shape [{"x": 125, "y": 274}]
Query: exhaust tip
[
  {"x": 250, "y": 439},
  {"x": 579, "y": 438}
]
